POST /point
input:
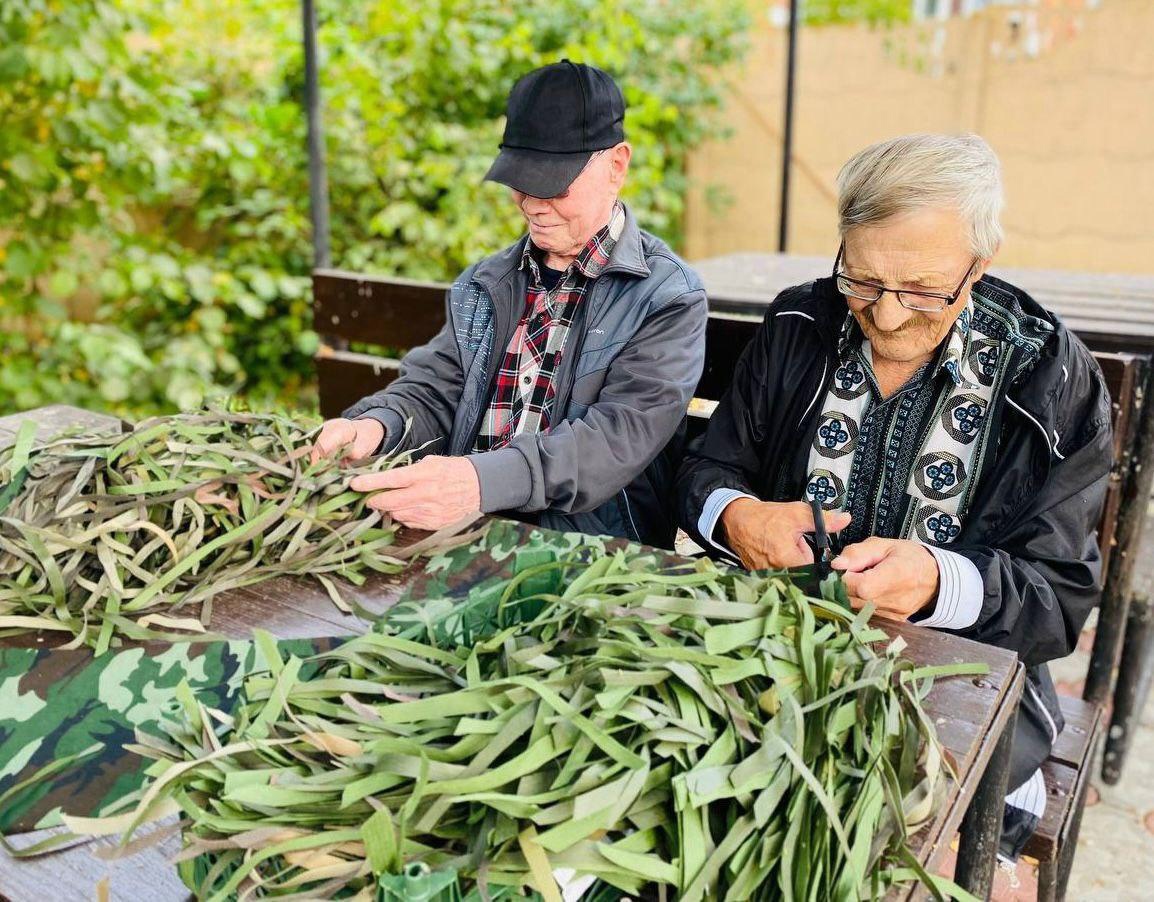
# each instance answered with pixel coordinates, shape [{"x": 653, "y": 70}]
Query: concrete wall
[{"x": 1065, "y": 96}]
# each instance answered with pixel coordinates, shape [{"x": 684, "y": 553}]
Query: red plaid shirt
[{"x": 525, "y": 387}]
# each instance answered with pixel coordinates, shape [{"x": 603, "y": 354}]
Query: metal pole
[
  {"x": 981, "y": 831},
  {"x": 1135, "y": 671},
  {"x": 787, "y": 131},
  {"x": 318, "y": 181}
]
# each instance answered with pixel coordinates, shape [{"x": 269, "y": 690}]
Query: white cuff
[
  {"x": 717, "y": 502},
  {"x": 960, "y": 592}
]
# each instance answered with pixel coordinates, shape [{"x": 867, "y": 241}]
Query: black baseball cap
[{"x": 557, "y": 117}]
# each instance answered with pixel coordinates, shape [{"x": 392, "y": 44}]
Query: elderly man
[
  {"x": 568, "y": 360},
  {"x": 956, "y": 432}
]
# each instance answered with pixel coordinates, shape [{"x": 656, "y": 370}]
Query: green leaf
[
  {"x": 20, "y": 260},
  {"x": 27, "y": 167},
  {"x": 64, "y": 283},
  {"x": 382, "y": 843}
]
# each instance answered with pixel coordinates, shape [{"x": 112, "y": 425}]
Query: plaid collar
[
  {"x": 951, "y": 355},
  {"x": 594, "y": 257}
]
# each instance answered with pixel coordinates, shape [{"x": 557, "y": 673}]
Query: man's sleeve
[
  {"x": 1042, "y": 577},
  {"x": 580, "y": 463},
  {"x": 418, "y": 406},
  {"x": 721, "y": 464}
]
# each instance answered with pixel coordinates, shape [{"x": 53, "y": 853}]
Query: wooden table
[{"x": 974, "y": 719}]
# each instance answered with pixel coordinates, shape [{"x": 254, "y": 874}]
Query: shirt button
[{"x": 526, "y": 380}]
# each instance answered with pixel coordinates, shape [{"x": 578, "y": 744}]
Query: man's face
[
  {"x": 927, "y": 250},
  {"x": 564, "y": 224}
]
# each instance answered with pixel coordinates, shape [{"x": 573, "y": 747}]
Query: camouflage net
[{"x": 602, "y": 716}]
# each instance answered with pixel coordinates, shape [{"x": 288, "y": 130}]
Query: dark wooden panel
[
  {"x": 401, "y": 313},
  {"x": 1108, "y": 525},
  {"x": 1061, "y": 781},
  {"x": 1065, "y": 773},
  {"x": 1121, "y": 372},
  {"x": 725, "y": 339},
  {"x": 1115, "y": 341},
  {"x": 1082, "y": 723},
  {"x": 396, "y": 313},
  {"x": 343, "y": 378},
  {"x": 1124, "y": 374}
]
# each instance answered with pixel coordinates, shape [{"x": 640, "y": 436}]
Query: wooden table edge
[{"x": 1006, "y": 705}]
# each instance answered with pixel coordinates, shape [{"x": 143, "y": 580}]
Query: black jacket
[{"x": 1031, "y": 527}]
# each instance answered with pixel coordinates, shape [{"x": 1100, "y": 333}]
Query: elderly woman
[{"x": 956, "y": 433}]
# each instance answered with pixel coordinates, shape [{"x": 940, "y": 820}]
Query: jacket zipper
[
  {"x": 1045, "y": 712},
  {"x": 496, "y": 355},
  {"x": 571, "y": 352},
  {"x": 629, "y": 514}
]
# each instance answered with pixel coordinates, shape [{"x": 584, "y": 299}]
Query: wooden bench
[
  {"x": 393, "y": 315},
  {"x": 398, "y": 314},
  {"x": 1067, "y": 776}
]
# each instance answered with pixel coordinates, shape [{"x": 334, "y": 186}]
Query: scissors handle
[{"x": 820, "y": 540}]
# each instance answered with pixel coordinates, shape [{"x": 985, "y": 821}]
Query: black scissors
[{"x": 821, "y": 548}]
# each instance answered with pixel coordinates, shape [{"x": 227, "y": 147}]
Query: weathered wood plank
[
  {"x": 76, "y": 873},
  {"x": 51, "y": 421},
  {"x": 397, "y": 313},
  {"x": 1073, "y": 743},
  {"x": 344, "y": 377},
  {"x": 1061, "y": 781},
  {"x": 1122, "y": 373},
  {"x": 970, "y": 714}
]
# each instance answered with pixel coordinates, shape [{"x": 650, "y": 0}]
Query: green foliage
[{"x": 154, "y": 235}]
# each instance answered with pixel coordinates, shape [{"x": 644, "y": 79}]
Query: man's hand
[
  {"x": 357, "y": 438},
  {"x": 771, "y": 534},
  {"x": 434, "y": 492},
  {"x": 897, "y": 576}
]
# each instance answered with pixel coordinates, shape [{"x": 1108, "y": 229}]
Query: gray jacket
[{"x": 635, "y": 354}]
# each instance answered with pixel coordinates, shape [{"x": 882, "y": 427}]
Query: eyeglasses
[{"x": 871, "y": 292}]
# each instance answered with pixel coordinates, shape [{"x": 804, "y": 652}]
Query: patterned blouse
[{"x": 907, "y": 466}]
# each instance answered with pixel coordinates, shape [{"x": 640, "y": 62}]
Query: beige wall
[{"x": 1073, "y": 125}]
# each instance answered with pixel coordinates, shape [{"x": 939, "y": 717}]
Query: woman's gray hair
[{"x": 917, "y": 171}]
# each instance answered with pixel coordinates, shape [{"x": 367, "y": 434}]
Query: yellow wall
[{"x": 1073, "y": 124}]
